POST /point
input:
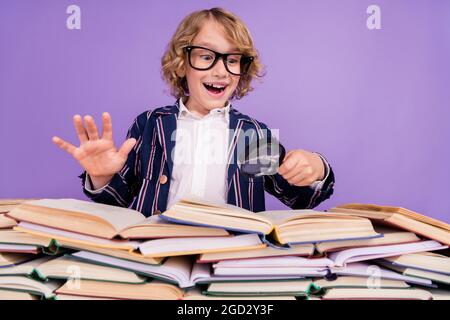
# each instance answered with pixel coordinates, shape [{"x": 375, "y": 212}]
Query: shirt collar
[{"x": 224, "y": 111}]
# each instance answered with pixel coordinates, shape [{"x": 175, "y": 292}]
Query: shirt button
[{"x": 163, "y": 179}]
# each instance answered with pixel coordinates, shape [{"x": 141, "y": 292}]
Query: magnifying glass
[{"x": 262, "y": 157}]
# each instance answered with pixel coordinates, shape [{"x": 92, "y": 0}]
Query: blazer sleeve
[
  {"x": 299, "y": 197},
  {"x": 306, "y": 197},
  {"x": 125, "y": 184}
]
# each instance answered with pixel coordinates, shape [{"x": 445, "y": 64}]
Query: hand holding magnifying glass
[{"x": 298, "y": 167}]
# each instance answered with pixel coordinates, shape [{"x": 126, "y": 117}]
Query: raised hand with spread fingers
[{"x": 97, "y": 155}]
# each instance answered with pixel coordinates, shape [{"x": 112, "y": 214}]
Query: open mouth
[{"x": 214, "y": 88}]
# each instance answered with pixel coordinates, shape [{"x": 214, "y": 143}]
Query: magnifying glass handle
[{"x": 282, "y": 154}]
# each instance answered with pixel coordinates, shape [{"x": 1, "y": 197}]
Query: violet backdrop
[{"x": 374, "y": 102}]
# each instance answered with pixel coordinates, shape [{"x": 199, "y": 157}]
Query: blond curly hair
[{"x": 174, "y": 59}]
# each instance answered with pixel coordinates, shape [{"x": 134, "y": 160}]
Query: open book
[
  {"x": 122, "y": 254},
  {"x": 287, "y": 227},
  {"x": 151, "y": 248},
  {"x": 295, "y": 250},
  {"x": 341, "y": 258},
  {"x": 196, "y": 294},
  {"x": 15, "y": 241},
  {"x": 390, "y": 236},
  {"x": 6, "y": 222},
  {"x": 299, "y": 287},
  {"x": 435, "y": 277},
  {"x": 375, "y": 272},
  {"x": 71, "y": 297},
  {"x": 360, "y": 287},
  {"x": 364, "y": 281},
  {"x": 302, "y": 267},
  {"x": 176, "y": 270},
  {"x": 8, "y": 259},
  {"x": 30, "y": 241},
  {"x": 143, "y": 291},
  {"x": 316, "y": 266},
  {"x": 18, "y": 248},
  {"x": 427, "y": 265},
  {"x": 378, "y": 294},
  {"x": 16, "y": 295},
  {"x": 7, "y": 205},
  {"x": 103, "y": 221},
  {"x": 24, "y": 284},
  {"x": 399, "y": 217},
  {"x": 66, "y": 267},
  {"x": 427, "y": 261},
  {"x": 181, "y": 271}
]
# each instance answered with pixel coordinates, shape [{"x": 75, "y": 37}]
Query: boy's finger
[
  {"x": 298, "y": 169},
  {"x": 79, "y": 127},
  {"x": 107, "y": 126},
  {"x": 70, "y": 148},
  {"x": 91, "y": 128},
  {"x": 126, "y": 147},
  {"x": 301, "y": 179},
  {"x": 288, "y": 164}
]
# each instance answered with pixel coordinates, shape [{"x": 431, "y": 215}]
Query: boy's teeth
[{"x": 216, "y": 85}]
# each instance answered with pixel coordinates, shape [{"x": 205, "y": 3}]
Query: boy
[{"x": 209, "y": 61}]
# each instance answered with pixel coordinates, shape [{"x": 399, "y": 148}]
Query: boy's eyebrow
[{"x": 213, "y": 47}]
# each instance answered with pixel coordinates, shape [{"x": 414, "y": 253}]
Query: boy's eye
[
  {"x": 233, "y": 60},
  {"x": 207, "y": 57}
]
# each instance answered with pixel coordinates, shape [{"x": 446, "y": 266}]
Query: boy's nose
[{"x": 219, "y": 69}]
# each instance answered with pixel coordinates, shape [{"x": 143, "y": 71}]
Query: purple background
[{"x": 374, "y": 102}]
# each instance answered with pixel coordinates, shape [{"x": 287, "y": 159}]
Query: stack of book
[{"x": 73, "y": 249}]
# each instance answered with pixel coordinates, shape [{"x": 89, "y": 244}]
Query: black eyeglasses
[{"x": 201, "y": 58}]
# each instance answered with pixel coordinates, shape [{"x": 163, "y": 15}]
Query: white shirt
[{"x": 200, "y": 156}]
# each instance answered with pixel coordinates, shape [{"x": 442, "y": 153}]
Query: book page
[
  {"x": 74, "y": 237},
  {"x": 420, "y": 228},
  {"x": 366, "y": 269},
  {"x": 225, "y": 209},
  {"x": 16, "y": 237},
  {"x": 191, "y": 200},
  {"x": 177, "y": 246},
  {"x": 13, "y": 201},
  {"x": 278, "y": 217},
  {"x": 6, "y": 222},
  {"x": 156, "y": 221},
  {"x": 118, "y": 217},
  {"x": 25, "y": 267},
  {"x": 174, "y": 269},
  {"x": 369, "y": 253},
  {"x": 390, "y": 210}
]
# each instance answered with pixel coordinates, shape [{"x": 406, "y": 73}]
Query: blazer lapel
[
  {"x": 235, "y": 126},
  {"x": 166, "y": 125}
]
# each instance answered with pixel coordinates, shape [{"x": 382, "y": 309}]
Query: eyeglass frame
[{"x": 218, "y": 55}]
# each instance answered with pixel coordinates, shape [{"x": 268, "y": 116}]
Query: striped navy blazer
[{"x": 144, "y": 181}]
